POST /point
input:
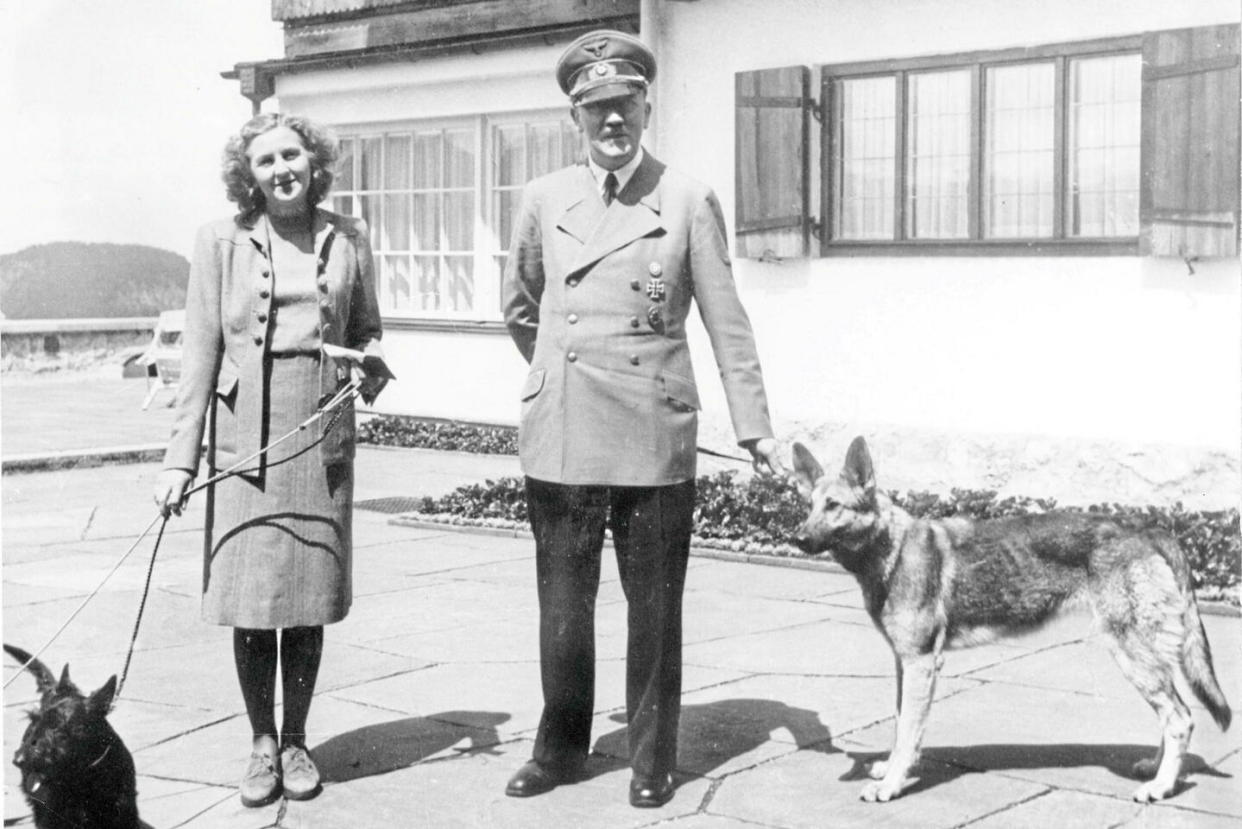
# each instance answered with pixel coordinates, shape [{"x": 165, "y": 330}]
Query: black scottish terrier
[{"x": 76, "y": 772}]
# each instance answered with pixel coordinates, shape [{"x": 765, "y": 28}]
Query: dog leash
[
  {"x": 334, "y": 404},
  {"x": 715, "y": 454}
]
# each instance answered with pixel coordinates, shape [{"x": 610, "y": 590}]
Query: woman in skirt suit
[{"x": 268, "y": 290}]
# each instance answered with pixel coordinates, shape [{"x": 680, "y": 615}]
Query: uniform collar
[{"x": 623, "y": 174}]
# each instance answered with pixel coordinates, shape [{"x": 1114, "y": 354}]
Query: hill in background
[{"x": 64, "y": 280}]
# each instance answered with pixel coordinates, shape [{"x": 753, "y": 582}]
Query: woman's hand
[
  {"x": 170, "y": 489},
  {"x": 765, "y": 456}
]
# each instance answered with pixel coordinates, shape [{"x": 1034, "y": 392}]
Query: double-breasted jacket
[
  {"x": 227, "y": 333},
  {"x": 596, "y": 298}
]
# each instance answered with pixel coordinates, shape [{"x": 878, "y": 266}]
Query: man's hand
[{"x": 765, "y": 456}]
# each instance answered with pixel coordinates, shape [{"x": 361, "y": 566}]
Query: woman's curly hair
[{"x": 321, "y": 146}]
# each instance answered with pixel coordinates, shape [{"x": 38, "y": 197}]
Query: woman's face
[{"x": 282, "y": 169}]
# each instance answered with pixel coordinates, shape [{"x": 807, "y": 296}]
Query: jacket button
[
  {"x": 264, "y": 294},
  {"x": 634, "y": 284},
  {"x": 323, "y": 285},
  {"x": 655, "y": 269},
  {"x": 325, "y": 304},
  {"x": 262, "y": 317},
  {"x": 573, "y": 319},
  {"x": 634, "y": 322},
  {"x": 633, "y": 359},
  {"x": 266, "y": 274},
  {"x": 572, "y": 356},
  {"x": 258, "y": 340}
]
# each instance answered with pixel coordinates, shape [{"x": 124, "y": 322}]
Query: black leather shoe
[
  {"x": 651, "y": 792},
  {"x": 532, "y": 779}
]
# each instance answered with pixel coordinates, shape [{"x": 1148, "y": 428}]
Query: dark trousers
[{"x": 651, "y": 533}]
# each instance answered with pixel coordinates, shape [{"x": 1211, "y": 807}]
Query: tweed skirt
[{"x": 280, "y": 549}]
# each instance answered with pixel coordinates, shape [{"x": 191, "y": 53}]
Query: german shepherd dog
[
  {"x": 928, "y": 584},
  {"x": 76, "y": 772}
]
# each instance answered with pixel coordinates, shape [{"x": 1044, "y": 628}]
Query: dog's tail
[
  {"x": 1196, "y": 652},
  {"x": 43, "y": 677},
  {"x": 1197, "y": 663}
]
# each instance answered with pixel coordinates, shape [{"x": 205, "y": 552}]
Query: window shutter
[
  {"x": 772, "y": 171},
  {"x": 1189, "y": 200}
]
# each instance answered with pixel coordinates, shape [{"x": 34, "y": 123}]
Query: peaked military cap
[{"x": 604, "y": 64}]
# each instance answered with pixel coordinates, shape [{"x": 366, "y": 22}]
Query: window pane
[
  {"x": 427, "y": 160},
  {"x": 426, "y": 221},
  {"x": 504, "y": 209},
  {"x": 458, "y": 285},
  {"x": 397, "y": 173},
  {"x": 1104, "y": 105},
  {"x": 459, "y": 158},
  {"x": 866, "y": 158},
  {"x": 938, "y": 155},
  {"x": 545, "y": 149},
  {"x": 343, "y": 205},
  {"x": 1018, "y": 179},
  {"x": 345, "y": 167},
  {"x": 458, "y": 231},
  {"x": 396, "y": 235},
  {"x": 369, "y": 175},
  {"x": 369, "y": 213},
  {"x": 427, "y": 275},
  {"x": 509, "y": 144},
  {"x": 396, "y": 288}
]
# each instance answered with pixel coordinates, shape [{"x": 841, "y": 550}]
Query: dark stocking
[
  {"x": 300, "y": 649},
  {"x": 254, "y": 653}
]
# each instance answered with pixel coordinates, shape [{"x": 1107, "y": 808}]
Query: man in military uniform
[{"x": 606, "y": 257}]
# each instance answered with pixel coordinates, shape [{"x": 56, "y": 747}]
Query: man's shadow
[
  {"x": 714, "y": 733},
  {"x": 942, "y": 764},
  {"x": 385, "y": 747}
]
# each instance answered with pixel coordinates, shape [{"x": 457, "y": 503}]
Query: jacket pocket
[
  {"x": 533, "y": 384},
  {"x": 226, "y": 418},
  {"x": 681, "y": 392}
]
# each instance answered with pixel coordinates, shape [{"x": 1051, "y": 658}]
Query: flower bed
[{"x": 757, "y": 515}]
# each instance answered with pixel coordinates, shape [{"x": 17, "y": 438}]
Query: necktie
[{"x": 610, "y": 188}]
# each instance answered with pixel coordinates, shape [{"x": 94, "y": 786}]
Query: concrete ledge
[
  {"x": 823, "y": 565},
  {"x": 83, "y": 458}
]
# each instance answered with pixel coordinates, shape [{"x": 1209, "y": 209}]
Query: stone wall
[{"x": 50, "y": 344}]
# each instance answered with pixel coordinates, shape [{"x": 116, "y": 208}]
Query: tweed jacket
[
  {"x": 596, "y": 300},
  {"x": 226, "y": 337}
]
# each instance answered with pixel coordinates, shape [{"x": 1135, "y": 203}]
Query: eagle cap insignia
[{"x": 597, "y": 47}]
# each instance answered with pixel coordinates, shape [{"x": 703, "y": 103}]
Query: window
[
  {"x": 440, "y": 201},
  {"x": 1117, "y": 146},
  {"x": 968, "y": 151}
]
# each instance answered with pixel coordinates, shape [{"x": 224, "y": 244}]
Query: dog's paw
[
  {"x": 880, "y": 791},
  {"x": 1152, "y": 791},
  {"x": 1146, "y": 768},
  {"x": 878, "y": 769}
]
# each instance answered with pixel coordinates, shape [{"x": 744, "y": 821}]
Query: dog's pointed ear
[
  {"x": 806, "y": 470},
  {"x": 858, "y": 471},
  {"x": 101, "y": 701},
  {"x": 65, "y": 683}
]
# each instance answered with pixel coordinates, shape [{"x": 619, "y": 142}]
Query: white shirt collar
[{"x": 623, "y": 174}]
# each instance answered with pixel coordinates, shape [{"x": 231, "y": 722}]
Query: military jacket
[{"x": 596, "y": 299}]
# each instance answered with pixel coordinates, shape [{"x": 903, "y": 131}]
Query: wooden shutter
[
  {"x": 771, "y": 145},
  {"x": 1191, "y": 181}
]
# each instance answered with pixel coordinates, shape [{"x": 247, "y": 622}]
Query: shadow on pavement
[
  {"x": 714, "y": 733},
  {"x": 385, "y": 747},
  {"x": 940, "y": 764}
]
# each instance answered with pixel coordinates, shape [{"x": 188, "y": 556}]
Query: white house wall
[{"x": 1084, "y": 378}]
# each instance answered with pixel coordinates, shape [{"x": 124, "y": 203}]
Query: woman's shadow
[
  {"x": 385, "y": 747},
  {"x": 714, "y": 733}
]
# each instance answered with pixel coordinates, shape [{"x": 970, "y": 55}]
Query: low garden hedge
[{"x": 759, "y": 514}]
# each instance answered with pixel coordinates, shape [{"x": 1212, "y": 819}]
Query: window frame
[
  {"x": 483, "y": 255},
  {"x": 978, "y": 62}
]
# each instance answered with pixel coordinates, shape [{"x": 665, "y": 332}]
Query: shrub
[
  {"x": 759, "y": 515},
  {"x": 410, "y": 432}
]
